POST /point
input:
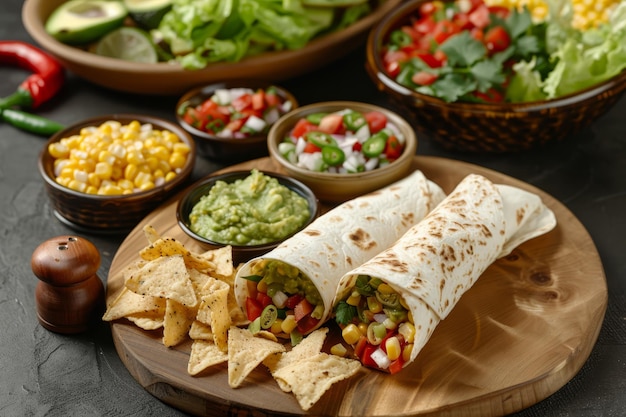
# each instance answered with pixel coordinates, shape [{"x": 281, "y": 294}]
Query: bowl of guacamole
[{"x": 252, "y": 211}]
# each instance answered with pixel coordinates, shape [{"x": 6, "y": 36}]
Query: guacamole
[{"x": 250, "y": 211}]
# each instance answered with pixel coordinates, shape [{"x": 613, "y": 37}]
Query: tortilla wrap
[
  {"x": 350, "y": 234},
  {"x": 434, "y": 263}
]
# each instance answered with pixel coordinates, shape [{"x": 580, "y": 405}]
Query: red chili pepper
[{"x": 39, "y": 87}]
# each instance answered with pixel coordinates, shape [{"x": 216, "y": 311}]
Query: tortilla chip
[
  {"x": 150, "y": 233},
  {"x": 168, "y": 246},
  {"x": 311, "y": 378},
  {"x": 213, "y": 311},
  {"x": 204, "y": 354},
  {"x": 201, "y": 331},
  {"x": 146, "y": 322},
  {"x": 165, "y": 277},
  {"x": 245, "y": 352},
  {"x": 222, "y": 258},
  {"x": 177, "y": 322},
  {"x": 198, "y": 279},
  {"x": 128, "y": 302},
  {"x": 310, "y": 346}
]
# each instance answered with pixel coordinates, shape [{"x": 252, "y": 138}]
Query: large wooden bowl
[{"x": 172, "y": 79}]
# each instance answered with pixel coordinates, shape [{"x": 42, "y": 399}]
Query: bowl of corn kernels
[{"x": 106, "y": 173}]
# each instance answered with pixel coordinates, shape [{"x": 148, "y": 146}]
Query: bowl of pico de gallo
[
  {"x": 343, "y": 149},
  {"x": 229, "y": 121},
  {"x": 478, "y": 76}
]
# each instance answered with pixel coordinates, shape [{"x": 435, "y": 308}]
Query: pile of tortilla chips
[{"x": 190, "y": 295}]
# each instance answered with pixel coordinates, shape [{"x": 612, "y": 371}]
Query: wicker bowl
[
  {"x": 491, "y": 128},
  {"x": 110, "y": 214}
]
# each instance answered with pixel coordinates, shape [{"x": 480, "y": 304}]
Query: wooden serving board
[{"x": 517, "y": 336}]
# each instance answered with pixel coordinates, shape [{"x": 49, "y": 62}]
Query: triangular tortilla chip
[
  {"x": 246, "y": 352},
  {"x": 213, "y": 310},
  {"x": 204, "y": 354},
  {"x": 128, "y": 302},
  {"x": 169, "y": 246},
  {"x": 146, "y": 322},
  {"x": 222, "y": 258},
  {"x": 177, "y": 322},
  {"x": 150, "y": 233},
  {"x": 165, "y": 277},
  {"x": 201, "y": 331},
  {"x": 311, "y": 378}
]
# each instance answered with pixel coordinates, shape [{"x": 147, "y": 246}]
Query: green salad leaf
[{"x": 199, "y": 32}]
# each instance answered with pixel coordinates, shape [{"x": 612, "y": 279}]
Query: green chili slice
[
  {"x": 320, "y": 139},
  {"x": 354, "y": 120},
  {"x": 268, "y": 316},
  {"x": 315, "y": 118},
  {"x": 375, "y": 145},
  {"x": 333, "y": 155}
]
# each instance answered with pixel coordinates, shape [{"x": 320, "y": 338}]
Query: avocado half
[{"x": 82, "y": 21}]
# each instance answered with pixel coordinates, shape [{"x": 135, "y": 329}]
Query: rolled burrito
[
  {"x": 389, "y": 306},
  {"x": 290, "y": 290}
]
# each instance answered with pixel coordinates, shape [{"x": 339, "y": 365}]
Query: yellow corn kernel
[
  {"x": 77, "y": 185},
  {"x": 288, "y": 324},
  {"x": 67, "y": 172},
  {"x": 181, "y": 147},
  {"x": 170, "y": 176},
  {"x": 351, "y": 334},
  {"x": 153, "y": 163},
  {"x": 363, "y": 328},
  {"x": 91, "y": 190},
  {"x": 81, "y": 176},
  {"x": 277, "y": 326},
  {"x": 354, "y": 299},
  {"x": 406, "y": 352},
  {"x": 58, "y": 150},
  {"x": 135, "y": 157},
  {"x": 394, "y": 350},
  {"x": 130, "y": 172},
  {"x": 177, "y": 160},
  {"x": 126, "y": 185},
  {"x": 142, "y": 178},
  {"x": 261, "y": 286},
  {"x": 164, "y": 166},
  {"x": 110, "y": 190},
  {"x": 407, "y": 330},
  {"x": 374, "y": 305},
  {"x": 146, "y": 186},
  {"x": 385, "y": 289},
  {"x": 64, "y": 181},
  {"x": 161, "y": 152},
  {"x": 338, "y": 350},
  {"x": 104, "y": 170}
]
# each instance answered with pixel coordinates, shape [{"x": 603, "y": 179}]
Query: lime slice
[{"x": 129, "y": 44}]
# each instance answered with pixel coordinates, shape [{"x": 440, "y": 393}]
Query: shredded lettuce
[{"x": 199, "y": 32}]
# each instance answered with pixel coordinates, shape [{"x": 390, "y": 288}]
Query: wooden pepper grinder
[{"x": 69, "y": 295}]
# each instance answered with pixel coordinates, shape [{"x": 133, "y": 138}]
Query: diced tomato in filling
[
  {"x": 366, "y": 358},
  {"x": 293, "y": 301},
  {"x": 302, "y": 126},
  {"x": 393, "y": 148},
  {"x": 307, "y": 323},
  {"x": 258, "y": 100},
  {"x": 331, "y": 123},
  {"x": 424, "y": 78},
  {"x": 302, "y": 309},
  {"x": 396, "y": 366},
  {"x": 253, "y": 309},
  {"x": 263, "y": 299}
]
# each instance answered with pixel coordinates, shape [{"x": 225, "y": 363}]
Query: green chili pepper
[
  {"x": 399, "y": 38},
  {"x": 354, "y": 121},
  {"x": 375, "y": 145},
  {"x": 320, "y": 139},
  {"x": 333, "y": 155},
  {"x": 30, "y": 122},
  {"x": 315, "y": 118}
]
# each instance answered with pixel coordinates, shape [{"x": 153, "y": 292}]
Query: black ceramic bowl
[
  {"x": 109, "y": 213},
  {"x": 240, "y": 253},
  {"x": 228, "y": 149}
]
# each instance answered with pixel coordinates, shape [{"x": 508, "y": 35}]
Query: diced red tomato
[
  {"x": 396, "y": 366},
  {"x": 500, "y": 11},
  {"x": 425, "y": 25},
  {"x": 258, "y": 100},
  {"x": 490, "y": 96},
  {"x": 366, "y": 358},
  {"x": 191, "y": 116},
  {"x": 376, "y": 121},
  {"x": 272, "y": 99},
  {"x": 293, "y": 300},
  {"x": 253, "y": 309},
  {"x": 428, "y": 8},
  {"x": 310, "y": 148},
  {"x": 242, "y": 102},
  {"x": 497, "y": 39},
  {"x": 359, "y": 348},
  {"x": 357, "y": 146},
  {"x": 462, "y": 21},
  {"x": 480, "y": 16},
  {"x": 393, "y": 148},
  {"x": 477, "y": 34},
  {"x": 443, "y": 30},
  {"x": 302, "y": 126},
  {"x": 235, "y": 125},
  {"x": 306, "y": 324},
  {"x": 331, "y": 123},
  {"x": 431, "y": 60},
  {"x": 208, "y": 105},
  {"x": 263, "y": 299},
  {"x": 302, "y": 309},
  {"x": 424, "y": 78}
]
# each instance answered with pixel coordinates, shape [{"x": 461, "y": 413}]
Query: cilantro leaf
[
  {"x": 452, "y": 86},
  {"x": 344, "y": 313},
  {"x": 518, "y": 22},
  {"x": 487, "y": 73},
  {"x": 463, "y": 50}
]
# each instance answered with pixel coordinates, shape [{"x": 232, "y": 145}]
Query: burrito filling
[
  {"x": 376, "y": 322},
  {"x": 282, "y": 300}
]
